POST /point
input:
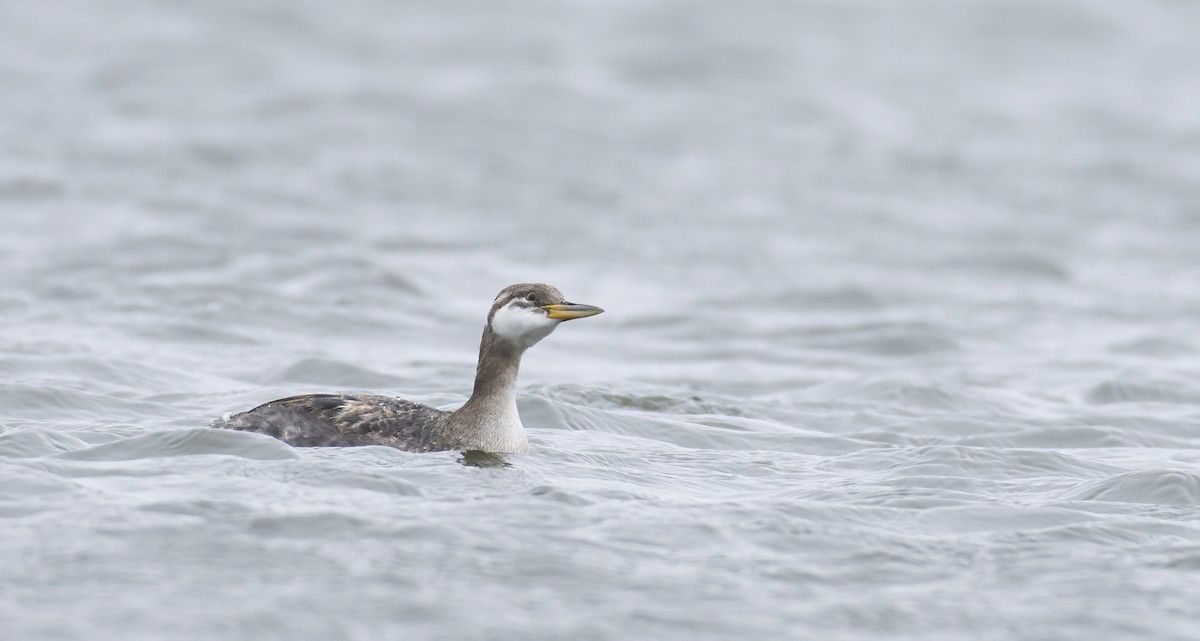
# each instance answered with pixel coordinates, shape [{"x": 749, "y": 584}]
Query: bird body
[{"x": 521, "y": 315}]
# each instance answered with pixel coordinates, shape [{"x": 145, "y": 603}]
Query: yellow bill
[{"x": 569, "y": 311}]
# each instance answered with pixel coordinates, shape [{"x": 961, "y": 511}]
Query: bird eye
[{"x": 532, "y": 297}]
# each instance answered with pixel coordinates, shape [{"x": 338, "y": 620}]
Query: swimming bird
[{"x": 521, "y": 315}]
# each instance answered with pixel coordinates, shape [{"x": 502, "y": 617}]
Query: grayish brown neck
[
  {"x": 496, "y": 371},
  {"x": 489, "y": 420}
]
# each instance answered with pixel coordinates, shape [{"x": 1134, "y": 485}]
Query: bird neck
[
  {"x": 496, "y": 371},
  {"x": 490, "y": 415}
]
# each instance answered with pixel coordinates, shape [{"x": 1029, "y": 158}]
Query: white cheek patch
[{"x": 524, "y": 324}]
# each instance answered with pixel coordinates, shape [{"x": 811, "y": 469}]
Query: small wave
[
  {"x": 1080, "y": 436},
  {"x": 1156, "y": 347},
  {"x": 336, "y": 373},
  {"x": 30, "y": 188},
  {"x": 844, "y": 297},
  {"x": 335, "y": 471},
  {"x": 324, "y": 525},
  {"x": 961, "y": 519},
  {"x": 35, "y": 442},
  {"x": 1016, "y": 264},
  {"x": 1102, "y": 530},
  {"x": 883, "y": 339},
  {"x": 709, "y": 432},
  {"x": 1187, "y": 559},
  {"x": 199, "y": 332},
  {"x": 917, "y": 394},
  {"x": 186, "y": 442},
  {"x": 1142, "y": 391},
  {"x": 971, "y": 463},
  {"x": 665, "y": 401},
  {"x": 24, "y": 490},
  {"x": 1154, "y": 487},
  {"x": 45, "y": 401}
]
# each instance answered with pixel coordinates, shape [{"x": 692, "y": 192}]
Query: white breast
[{"x": 505, "y": 433}]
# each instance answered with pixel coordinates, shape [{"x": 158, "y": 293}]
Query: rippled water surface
[{"x": 901, "y": 337}]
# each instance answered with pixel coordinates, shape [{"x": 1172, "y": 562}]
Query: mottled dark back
[{"x": 315, "y": 420}]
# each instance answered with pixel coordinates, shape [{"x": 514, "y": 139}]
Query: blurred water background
[{"x": 901, "y": 338}]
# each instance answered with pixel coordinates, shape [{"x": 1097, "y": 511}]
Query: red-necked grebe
[{"x": 521, "y": 316}]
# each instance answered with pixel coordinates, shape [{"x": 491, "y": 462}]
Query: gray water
[{"x": 901, "y": 338}]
